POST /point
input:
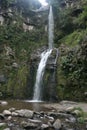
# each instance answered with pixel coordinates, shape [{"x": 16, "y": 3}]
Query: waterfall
[
  {"x": 40, "y": 73},
  {"x": 51, "y": 28},
  {"x": 44, "y": 57}
]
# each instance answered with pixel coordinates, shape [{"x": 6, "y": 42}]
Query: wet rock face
[{"x": 50, "y": 76}]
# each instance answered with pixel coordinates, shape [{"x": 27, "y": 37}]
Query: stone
[
  {"x": 2, "y": 117},
  {"x": 28, "y": 125},
  {"x": 3, "y": 102},
  {"x": 85, "y": 119},
  {"x": 57, "y": 124},
  {"x": 68, "y": 102},
  {"x": 9, "y": 118},
  {"x": 70, "y": 109},
  {"x": 71, "y": 120},
  {"x": 35, "y": 121},
  {"x": 15, "y": 65},
  {"x": 6, "y": 113},
  {"x": 2, "y": 79},
  {"x": 14, "y": 114},
  {"x": 9, "y": 51},
  {"x": 86, "y": 126},
  {"x": 44, "y": 127},
  {"x": 12, "y": 109},
  {"x": 50, "y": 119},
  {"x": 2, "y": 124},
  {"x": 25, "y": 113},
  {"x": 7, "y": 129},
  {"x": 77, "y": 112}
]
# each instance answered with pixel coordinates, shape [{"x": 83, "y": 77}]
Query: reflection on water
[
  {"x": 19, "y": 104},
  {"x": 36, "y": 104}
]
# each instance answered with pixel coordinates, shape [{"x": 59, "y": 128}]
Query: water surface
[{"x": 24, "y": 104}]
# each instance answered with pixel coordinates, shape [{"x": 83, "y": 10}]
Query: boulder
[
  {"x": 3, "y": 102},
  {"x": 50, "y": 119},
  {"x": 70, "y": 109},
  {"x": 35, "y": 121},
  {"x": 57, "y": 124},
  {"x": 25, "y": 113},
  {"x": 7, "y": 129},
  {"x": 2, "y": 124},
  {"x": 6, "y": 113},
  {"x": 14, "y": 114},
  {"x": 44, "y": 127},
  {"x": 9, "y": 118},
  {"x": 28, "y": 125},
  {"x": 12, "y": 109},
  {"x": 68, "y": 102}
]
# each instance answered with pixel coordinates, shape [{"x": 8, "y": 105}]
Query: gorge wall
[{"x": 24, "y": 30}]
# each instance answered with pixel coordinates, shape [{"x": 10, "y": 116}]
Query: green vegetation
[
  {"x": 70, "y": 37},
  {"x": 17, "y": 44}
]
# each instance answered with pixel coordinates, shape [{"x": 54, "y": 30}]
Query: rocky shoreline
[{"x": 72, "y": 118}]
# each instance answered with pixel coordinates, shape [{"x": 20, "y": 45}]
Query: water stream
[
  {"x": 39, "y": 76},
  {"x": 44, "y": 57},
  {"x": 51, "y": 28}
]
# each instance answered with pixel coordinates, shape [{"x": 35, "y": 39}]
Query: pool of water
[{"x": 24, "y": 104}]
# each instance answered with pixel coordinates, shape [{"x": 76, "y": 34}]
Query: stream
[{"x": 24, "y": 104}]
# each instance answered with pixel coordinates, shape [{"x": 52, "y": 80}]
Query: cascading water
[
  {"x": 40, "y": 73},
  {"x": 51, "y": 28},
  {"x": 44, "y": 57}
]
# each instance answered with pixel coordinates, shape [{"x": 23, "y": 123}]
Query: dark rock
[
  {"x": 2, "y": 117},
  {"x": 28, "y": 125},
  {"x": 34, "y": 121},
  {"x": 56, "y": 115},
  {"x": 76, "y": 12}
]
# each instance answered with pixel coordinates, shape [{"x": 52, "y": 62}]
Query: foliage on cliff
[
  {"x": 16, "y": 45},
  {"x": 70, "y": 36}
]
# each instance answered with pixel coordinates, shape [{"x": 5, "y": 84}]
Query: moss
[
  {"x": 20, "y": 82},
  {"x": 2, "y": 127},
  {"x": 74, "y": 38}
]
